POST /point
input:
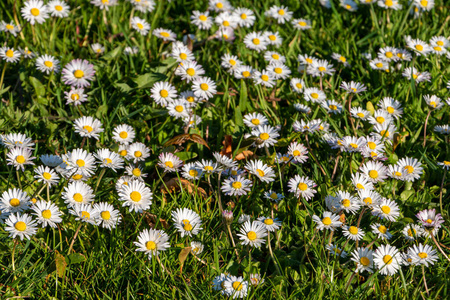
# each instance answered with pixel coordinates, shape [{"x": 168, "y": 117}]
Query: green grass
[{"x": 104, "y": 264}]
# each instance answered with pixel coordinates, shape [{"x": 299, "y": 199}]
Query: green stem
[
  {"x": 440, "y": 193},
  {"x": 3, "y": 76},
  {"x": 99, "y": 179},
  {"x": 18, "y": 179}
]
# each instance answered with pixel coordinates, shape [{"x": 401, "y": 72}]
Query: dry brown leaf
[
  {"x": 174, "y": 185},
  {"x": 227, "y": 149},
  {"x": 244, "y": 154},
  {"x": 182, "y": 257}
]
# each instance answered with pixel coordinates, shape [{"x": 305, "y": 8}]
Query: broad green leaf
[{"x": 147, "y": 80}]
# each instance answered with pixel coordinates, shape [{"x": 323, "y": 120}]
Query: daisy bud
[{"x": 227, "y": 216}]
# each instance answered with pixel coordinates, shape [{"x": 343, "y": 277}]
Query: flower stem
[
  {"x": 437, "y": 245},
  {"x": 99, "y": 179},
  {"x": 425, "y": 280},
  {"x": 349, "y": 281},
  {"x": 271, "y": 253},
  {"x": 425, "y": 129},
  {"x": 18, "y": 179},
  {"x": 74, "y": 238},
  {"x": 13, "y": 259},
  {"x": 232, "y": 242},
  {"x": 3, "y": 76},
  {"x": 440, "y": 193}
]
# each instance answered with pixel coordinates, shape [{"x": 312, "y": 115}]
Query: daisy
[
  {"x": 143, "y": 5},
  {"x": 314, "y": 95},
  {"x": 169, "y": 162},
  {"x": 283, "y": 158},
  {"x": 279, "y": 70},
  {"x": 152, "y": 242},
  {"x": 201, "y": 19},
  {"x": 88, "y": 127},
  {"x": 320, "y": 68},
  {"x": 219, "y": 283},
  {"x": 190, "y": 171},
  {"x": 236, "y": 186},
  {"x": 12, "y": 140},
  {"x": 76, "y": 96},
  {"x": 302, "y": 126},
  {"x": 46, "y": 175},
  {"x": 19, "y": 157},
  {"x": 109, "y": 159},
  {"x": 340, "y": 59},
  {"x": 131, "y": 50},
  {"x": 226, "y": 20},
  {"x": 204, "y": 87},
  {"x": 138, "y": 152},
  {"x": 391, "y": 106},
  {"x": 235, "y": 287},
  {"x": 14, "y": 200},
  {"x": 98, "y": 48},
  {"x": 413, "y": 73},
  {"x": 58, "y": 8},
  {"x": 10, "y": 27},
  {"x": 244, "y": 16},
  {"x": 332, "y": 106},
  {"x": 225, "y": 34},
  {"x": 256, "y": 280},
  {"x": 349, "y": 5},
  {"x": 419, "y": 47},
  {"x": 423, "y": 255},
  {"x": 385, "y": 131},
  {"x": 359, "y": 113},
  {"x": 9, "y": 54},
  {"x": 266, "y": 135},
  {"x": 260, "y": 170},
  {"x": 181, "y": 53},
  {"x": 190, "y": 70},
  {"x": 273, "y": 196},
  {"x": 21, "y": 226},
  {"x": 346, "y": 202},
  {"x": 389, "y": 4},
  {"x": 264, "y": 77},
  {"x": 329, "y": 221},
  {"x": 413, "y": 168},
  {"x": 380, "y": 117},
  {"x": 279, "y": 13},
  {"x": 256, "y": 41},
  {"x": 273, "y": 38},
  {"x": 78, "y": 73},
  {"x": 374, "y": 171},
  {"x": 140, "y": 25},
  {"x": 387, "y": 259},
  {"x": 136, "y": 195},
  {"x": 206, "y": 166},
  {"x": 85, "y": 213},
  {"x": 269, "y": 223},
  {"x": 46, "y": 213},
  {"x": 27, "y": 53},
  {"x": 34, "y": 11},
  {"x": 230, "y": 61},
  {"x": 297, "y": 85},
  {"x": 108, "y": 217},
  {"x": 360, "y": 182},
  {"x": 378, "y": 64},
  {"x": 336, "y": 251},
  {"x": 298, "y": 152},
  {"x": 353, "y": 87},
  {"x": 381, "y": 231},
  {"x": 80, "y": 161},
  {"x": 305, "y": 59},
  {"x": 445, "y": 164},
  {"x": 439, "y": 41},
  {"x": 224, "y": 161},
  {"x": 426, "y": 5},
  {"x": 301, "y": 24},
  {"x": 429, "y": 218},
  {"x": 253, "y": 234},
  {"x": 404, "y": 55},
  {"x": 51, "y": 160},
  {"x": 163, "y": 93},
  {"x": 219, "y": 5},
  {"x": 166, "y": 35},
  {"x": 243, "y": 72},
  {"x": 387, "y": 209},
  {"x": 187, "y": 222},
  {"x": 412, "y": 231},
  {"x": 77, "y": 193},
  {"x": 363, "y": 257},
  {"x": 124, "y": 134},
  {"x": 136, "y": 172},
  {"x": 178, "y": 109},
  {"x": 302, "y": 186},
  {"x": 388, "y": 54},
  {"x": 433, "y": 101},
  {"x": 197, "y": 248},
  {"x": 253, "y": 120},
  {"x": 47, "y": 64},
  {"x": 443, "y": 129}
]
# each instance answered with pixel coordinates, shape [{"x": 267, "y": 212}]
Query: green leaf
[
  {"x": 112, "y": 54},
  {"x": 406, "y": 194},
  {"x": 123, "y": 87},
  {"x": 147, "y": 80},
  {"x": 61, "y": 264},
  {"x": 186, "y": 155},
  {"x": 182, "y": 256},
  {"x": 39, "y": 88},
  {"x": 75, "y": 258}
]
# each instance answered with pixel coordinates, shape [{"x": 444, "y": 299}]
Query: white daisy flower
[
  {"x": 301, "y": 24},
  {"x": 136, "y": 195},
  {"x": 46, "y": 213},
  {"x": 298, "y": 152},
  {"x": 163, "y": 93},
  {"x": 178, "y": 109},
  {"x": 14, "y": 200},
  {"x": 336, "y": 251},
  {"x": 206, "y": 166},
  {"x": 224, "y": 161},
  {"x": 253, "y": 234},
  {"x": 187, "y": 222},
  {"x": 419, "y": 47},
  {"x": 152, "y": 242},
  {"x": 273, "y": 38},
  {"x": 196, "y": 248},
  {"x": 264, "y": 78},
  {"x": 34, "y": 11},
  {"x": 266, "y": 135},
  {"x": 340, "y": 59},
  {"x": 190, "y": 171},
  {"x": 332, "y": 106},
  {"x": 138, "y": 152},
  {"x": 243, "y": 72},
  {"x": 253, "y": 120},
  {"x": 88, "y": 127},
  {"x": 319, "y": 68},
  {"x": 269, "y": 223},
  {"x": 98, "y": 48},
  {"x": 47, "y": 64},
  {"x": 51, "y": 160},
  {"x": 77, "y": 193},
  {"x": 433, "y": 101},
  {"x": 21, "y": 226},
  {"x": 169, "y": 162},
  {"x": 236, "y": 186},
  {"x": 381, "y": 231},
  {"x": 297, "y": 85},
  {"x": 256, "y": 41},
  {"x": 361, "y": 183},
  {"x": 345, "y": 201},
  {"x": 109, "y": 159},
  {"x": 46, "y": 175},
  {"x": 387, "y": 259},
  {"x": 379, "y": 64},
  {"x": 387, "y": 209},
  {"x": 374, "y": 171},
  {"x": 225, "y": 34},
  {"x": 76, "y": 96},
  {"x": 329, "y": 221},
  {"x": 412, "y": 231},
  {"x": 360, "y": 113},
  {"x": 204, "y": 87},
  {"x": 279, "y": 70},
  {"x": 226, "y": 20},
  {"x": 353, "y": 87},
  {"x": 273, "y": 196},
  {"x": 412, "y": 167},
  {"x": 390, "y": 4},
  {"x": 279, "y": 13},
  {"x": 10, "y": 27},
  {"x": 302, "y": 186},
  {"x": 19, "y": 157},
  {"x": 108, "y": 217},
  {"x": 423, "y": 255},
  {"x": 201, "y": 19},
  {"x": 219, "y": 5},
  {"x": 235, "y": 287},
  {"x": 166, "y": 35},
  {"x": 12, "y": 140},
  {"x": 78, "y": 73},
  {"x": 392, "y": 106},
  {"x": 124, "y": 134},
  {"x": 230, "y": 61},
  {"x": 140, "y": 25},
  {"x": 363, "y": 257},
  {"x": 85, "y": 213},
  {"x": 58, "y": 8},
  {"x": 244, "y": 16},
  {"x": 314, "y": 95},
  {"x": 80, "y": 162}
]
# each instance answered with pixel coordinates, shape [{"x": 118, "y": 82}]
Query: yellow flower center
[
  {"x": 274, "y": 196},
  {"x": 353, "y": 230},
  {"x": 106, "y": 215},
  {"x": 302, "y": 186},
  {"x": 346, "y": 202},
  {"x": 348, "y": 6},
  {"x": 382, "y": 229},
  {"x": 187, "y": 225},
  {"x": 80, "y": 163},
  {"x": 77, "y": 197},
  {"x": 390, "y": 109},
  {"x": 412, "y": 232},
  {"x": 123, "y": 152},
  {"x": 75, "y": 97},
  {"x": 183, "y": 56},
  {"x": 272, "y": 37},
  {"x": 361, "y": 115},
  {"x": 398, "y": 174},
  {"x": 281, "y": 12},
  {"x": 85, "y": 215},
  {"x": 236, "y": 185},
  {"x": 77, "y": 177},
  {"x": 219, "y": 5},
  {"x": 389, "y": 3},
  {"x": 260, "y": 172},
  {"x": 137, "y": 153},
  {"x": 296, "y": 153},
  {"x": 208, "y": 168},
  {"x": 302, "y": 24},
  {"x": 384, "y": 133},
  {"x": 169, "y": 164},
  {"x": 278, "y": 70},
  {"x": 226, "y": 23},
  {"x": 410, "y": 169},
  {"x": 359, "y": 186},
  {"x": 204, "y": 86},
  {"x": 419, "y": 47},
  {"x": 389, "y": 54},
  {"x": 232, "y": 62},
  {"x": 135, "y": 196},
  {"x": 268, "y": 221},
  {"x": 202, "y": 18},
  {"x": 190, "y": 71},
  {"x": 46, "y": 175},
  {"x": 379, "y": 65},
  {"x": 299, "y": 86},
  {"x": 251, "y": 235},
  {"x": 326, "y": 221},
  {"x": 437, "y": 48},
  {"x": 48, "y": 64},
  {"x": 246, "y": 73},
  {"x": 255, "y": 121},
  {"x": 422, "y": 255},
  {"x": 322, "y": 69},
  {"x": 123, "y": 134},
  {"x": 264, "y": 77},
  {"x": 429, "y": 221},
  {"x": 47, "y": 214},
  {"x": 78, "y": 74},
  {"x": 373, "y": 174},
  {"x": 140, "y": 26},
  {"x": 368, "y": 200},
  {"x": 364, "y": 261},
  {"x": 193, "y": 173},
  {"x": 20, "y": 159},
  {"x": 20, "y": 226},
  {"x": 136, "y": 172},
  {"x": 264, "y": 136},
  {"x": 385, "y": 209},
  {"x": 9, "y": 27},
  {"x": 14, "y": 202},
  {"x": 164, "y": 93},
  {"x": 150, "y": 245},
  {"x": 58, "y": 7},
  {"x": 332, "y": 107},
  {"x": 315, "y": 95},
  {"x": 179, "y": 108},
  {"x": 165, "y": 34},
  {"x": 243, "y": 16},
  {"x": 34, "y": 11},
  {"x": 387, "y": 259},
  {"x": 237, "y": 286},
  {"x": 88, "y": 128},
  {"x": 380, "y": 119},
  {"x": 309, "y": 60}
]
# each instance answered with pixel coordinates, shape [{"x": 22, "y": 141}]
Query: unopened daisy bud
[{"x": 227, "y": 216}]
